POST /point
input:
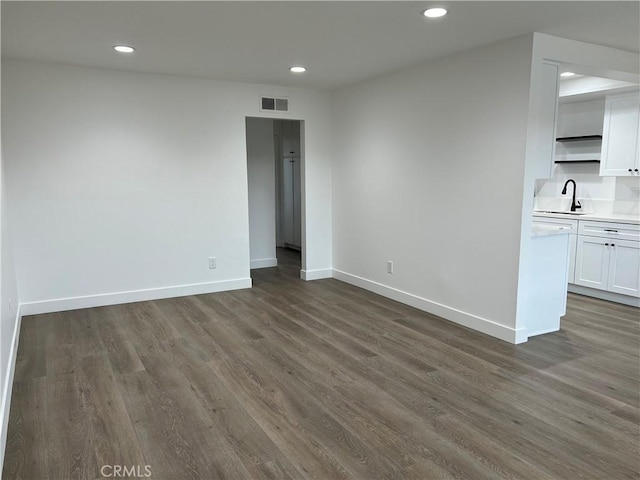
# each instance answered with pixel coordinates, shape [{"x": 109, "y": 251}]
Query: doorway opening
[{"x": 274, "y": 174}]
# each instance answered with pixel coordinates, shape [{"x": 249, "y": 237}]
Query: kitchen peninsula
[{"x": 547, "y": 299}]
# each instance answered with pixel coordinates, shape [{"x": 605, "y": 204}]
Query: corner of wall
[
  {"x": 7, "y": 388},
  {"x": 316, "y": 274},
  {"x": 459, "y": 317}
]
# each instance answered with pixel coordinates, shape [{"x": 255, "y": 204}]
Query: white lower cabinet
[
  {"x": 602, "y": 255},
  {"x": 608, "y": 264},
  {"x": 624, "y": 268},
  {"x": 592, "y": 262},
  {"x": 572, "y": 227}
]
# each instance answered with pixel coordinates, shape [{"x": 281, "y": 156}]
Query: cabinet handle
[
  {"x": 610, "y": 230},
  {"x": 636, "y": 170},
  {"x": 630, "y": 170},
  {"x": 613, "y": 244},
  {"x": 606, "y": 244}
]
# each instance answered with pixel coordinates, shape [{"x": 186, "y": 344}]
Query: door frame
[{"x": 278, "y": 200}]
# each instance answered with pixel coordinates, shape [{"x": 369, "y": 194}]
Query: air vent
[{"x": 274, "y": 104}]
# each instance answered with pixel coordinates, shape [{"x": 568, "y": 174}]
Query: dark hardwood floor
[{"x": 294, "y": 380}]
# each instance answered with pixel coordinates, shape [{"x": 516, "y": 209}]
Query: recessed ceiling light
[
  {"x": 567, "y": 74},
  {"x": 123, "y": 49},
  {"x": 297, "y": 69},
  {"x": 434, "y": 12}
]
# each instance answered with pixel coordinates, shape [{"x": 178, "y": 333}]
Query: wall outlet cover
[{"x": 213, "y": 263}]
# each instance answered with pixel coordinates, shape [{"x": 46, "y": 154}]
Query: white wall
[
  {"x": 9, "y": 322},
  {"x": 122, "y": 184},
  {"x": 577, "y": 118},
  {"x": 9, "y": 314},
  {"x": 262, "y": 192},
  {"x": 428, "y": 173},
  {"x": 317, "y": 234}
]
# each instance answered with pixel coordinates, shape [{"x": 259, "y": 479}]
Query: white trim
[
  {"x": 604, "y": 295},
  {"x": 317, "y": 274},
  {"x": 474, "y": 322},
  {"x": 264, "y": 263},
  {"x": 101, "y": 300},
  {"x": 7, "y": 388},
  {"x": 542, "y": 332},
  {"x": 521, "y": 336}
]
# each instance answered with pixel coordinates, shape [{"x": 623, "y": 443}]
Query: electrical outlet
[
  {"x": 213, "y": 262},
  {"x": 635, "y": 191},
  {"x": 10, "y": 306},
  {"x": 389, "y": 266}
]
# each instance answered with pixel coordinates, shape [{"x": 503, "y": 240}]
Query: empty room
[{"x": 320, "y": 240}]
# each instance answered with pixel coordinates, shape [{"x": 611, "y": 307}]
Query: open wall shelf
[
  {"x": 581, "y": 138},
  {"x": 578, "y": 149},
  {"x": 577, "y": 161}
]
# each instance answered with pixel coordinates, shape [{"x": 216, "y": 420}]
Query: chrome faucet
[{"x": 574, "y": 203}]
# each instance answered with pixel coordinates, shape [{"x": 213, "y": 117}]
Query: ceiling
[
  {"x": 582, "y": 87},
  {"x": 339, "y": 42}
]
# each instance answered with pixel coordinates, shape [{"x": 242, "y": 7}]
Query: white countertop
[
  {"x": 602, "y": 217},
  {"x": 538, "y": 230}
]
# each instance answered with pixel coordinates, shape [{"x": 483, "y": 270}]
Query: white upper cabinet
[{"x": 620, "y": 135}]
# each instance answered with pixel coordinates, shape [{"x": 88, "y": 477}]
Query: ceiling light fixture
[
  {"x": 297, "y": 69},
  {"x": 434, "y": 12},
  {"x": 123, "y": 49},
  {"x": 567, "y": 74}
]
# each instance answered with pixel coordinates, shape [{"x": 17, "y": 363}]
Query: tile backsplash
[{"x": 596, "y": 194}]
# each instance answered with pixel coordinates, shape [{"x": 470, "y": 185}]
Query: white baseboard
[
  {"x": 7, "y": 388},
  {"x": 604, "y": 295},
  {"x": 474, "y": 322},
  {"x": 101, "y": 300},
  {"x": 316, "y": 274},
  {"x": 520, "y": 336},
  {"x": 264, "y": 263}
]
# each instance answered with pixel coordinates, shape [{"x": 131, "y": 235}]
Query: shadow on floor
[{"x": 289, "y": 264}]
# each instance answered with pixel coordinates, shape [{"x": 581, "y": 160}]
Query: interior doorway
[
  {"x": 274, "y": 174},
  {"x": 288, "y": 184}
]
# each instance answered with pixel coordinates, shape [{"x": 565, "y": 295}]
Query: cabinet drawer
[
  {"x": 572, "y": 225},
  {"x": 622, "y": 231}
]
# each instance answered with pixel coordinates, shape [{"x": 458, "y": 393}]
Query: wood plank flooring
[{"x": 297, "y": 380}]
